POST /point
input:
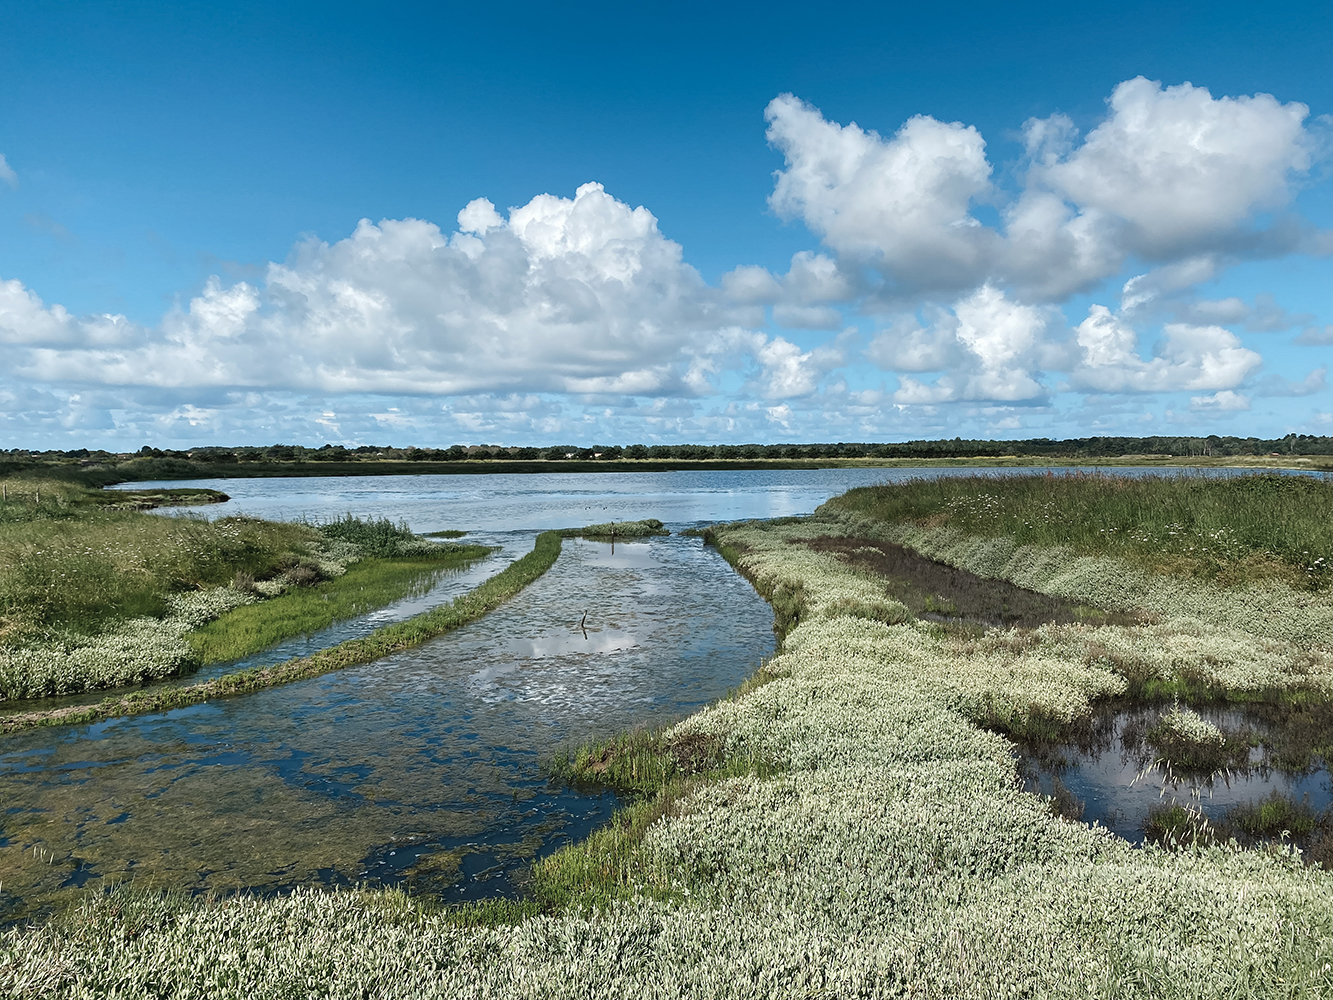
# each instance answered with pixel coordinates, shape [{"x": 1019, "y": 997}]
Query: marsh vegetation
[
  {"x": 854, "y": 821},
  {"x": 96, "y": 594}
]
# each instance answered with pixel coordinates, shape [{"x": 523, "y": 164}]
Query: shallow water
[
  {"x": 428, "y": 759},
  {"x": 1118, "y": 782}
]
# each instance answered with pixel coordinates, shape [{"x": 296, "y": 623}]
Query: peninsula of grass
[
  {"x": 380, "y": 643},
  {"x": 367, "y": 585},
  {"x": 1234, "y": 530}
]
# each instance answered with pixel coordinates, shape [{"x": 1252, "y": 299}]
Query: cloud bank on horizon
[{"x": 941, "y": 289}]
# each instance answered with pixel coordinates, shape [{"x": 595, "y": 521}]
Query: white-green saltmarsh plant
[
  {"x": 819, "y": 582},
  {"x": 893, "y": 855},
  {"x": 1186, "y": 724},
  {"x": 1213, "y": 655},
  {"x": 136, "y": 650},
  {"x": 145, "y": 648}
]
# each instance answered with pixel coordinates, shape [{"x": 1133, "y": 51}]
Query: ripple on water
[{"x": 421, "y": 768}]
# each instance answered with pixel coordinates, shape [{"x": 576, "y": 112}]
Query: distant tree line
[{"x": 1086, "y": 448}]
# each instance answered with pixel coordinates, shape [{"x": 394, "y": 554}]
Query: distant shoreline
[{"x": 270, "y": 470}]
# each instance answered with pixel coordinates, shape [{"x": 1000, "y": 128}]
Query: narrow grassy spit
[
  {"x": 849, "y": 828},
  {"x": 96, "y": 597},
  {"x": 367, "y": 584},
  {"x": 382, "y": 642}
]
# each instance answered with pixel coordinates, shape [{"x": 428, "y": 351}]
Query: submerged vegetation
[{"x": 853, "y": 825}]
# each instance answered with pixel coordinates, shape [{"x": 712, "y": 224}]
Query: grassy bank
[
  {"x": 382, "y": 642},
  {"x": 367, "y": 585},
  {"x": 81, "y": 569},
  {"x": 1234, "y": 530},
  {"x": 96, "y": 595}
]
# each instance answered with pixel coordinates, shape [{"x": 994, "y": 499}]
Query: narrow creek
[{"x": 423, "y": 767}]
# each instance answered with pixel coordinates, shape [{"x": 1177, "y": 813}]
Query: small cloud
[
  {"x": 7, "y": 173},
  {"x": 1314, "y": 336},
  {"x": 1225, "y": 401},
  {"x": 46, "y": 224},
  {"x": 1276, "y": 385}
]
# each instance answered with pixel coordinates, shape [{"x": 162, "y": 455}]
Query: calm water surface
[{"x": 1117, "y": 782}]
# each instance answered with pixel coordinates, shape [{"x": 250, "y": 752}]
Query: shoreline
[{"x": 180, "y": 471}]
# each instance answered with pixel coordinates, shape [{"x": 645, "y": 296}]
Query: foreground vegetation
[{"x": 847, "y": 825}]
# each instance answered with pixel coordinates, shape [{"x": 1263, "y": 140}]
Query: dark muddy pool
[
  {"x": 1111, "y": 774},
  {"x": 423, "y": 767}
]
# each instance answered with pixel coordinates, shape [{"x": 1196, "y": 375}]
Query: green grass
[
  {"x": 84, "y": 569},
  {"x": 369, "y": 584},
  {"x": 382, "y": 642},
  {"x": 381, "y": 538},
  {"x": 1234, "y": 530},
  {"x": 1274, "y": 816},
  {"x": 1175, "y": 825}
]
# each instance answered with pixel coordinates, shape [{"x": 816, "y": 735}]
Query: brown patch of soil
[{"x": 944, "y": 593}]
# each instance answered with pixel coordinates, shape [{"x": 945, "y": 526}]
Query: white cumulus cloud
[
  {"x": 1188, "y": 357},
  {"x": 580, "y": 295},
  {"x": 1171, "y": 175}
]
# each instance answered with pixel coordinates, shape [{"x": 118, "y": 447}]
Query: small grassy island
[{"x": 852, "y": 821}]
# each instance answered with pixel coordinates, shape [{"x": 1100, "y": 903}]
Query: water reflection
[
  {"x": 1107, "y": 774},
  {"x": 422, "y": 767}
]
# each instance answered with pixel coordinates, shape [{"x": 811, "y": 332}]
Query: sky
[{"x": 596, "y": 223}]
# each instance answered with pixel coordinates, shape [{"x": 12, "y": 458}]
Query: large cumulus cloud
[
  {"x": 577, "y": 295},
  {"x": 1173, "y": 182},
  {"x": 961, "y": 270}
]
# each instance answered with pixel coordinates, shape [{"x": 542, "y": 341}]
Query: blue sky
[{"x": 700, "y": 222}]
